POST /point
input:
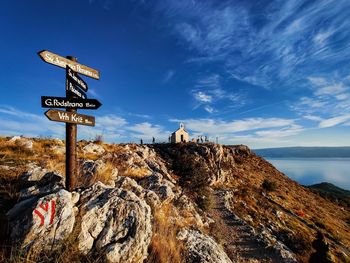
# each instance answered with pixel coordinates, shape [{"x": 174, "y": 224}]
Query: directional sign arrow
[
  {"x": 75, "y": 79},
  {"x": 62, "y": 102},
  {"x": 62, "y": 62},
  {"x": 70, "y": 117},
  {"x": 74, "y": 91}
]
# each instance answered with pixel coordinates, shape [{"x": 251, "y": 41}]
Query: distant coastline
[{"x": 305, "y": 152}]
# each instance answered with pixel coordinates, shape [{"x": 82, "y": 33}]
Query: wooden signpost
[
  {"x": 75, "y": 79},
  {"x": 63, "y": 102},
  {"x": 75, "y": 99},
  {"x": 74, "y": 91},
  {"x": 62, "y": 62},
  {"x": 70, "y": 117}
]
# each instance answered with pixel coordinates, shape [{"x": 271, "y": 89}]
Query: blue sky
[{"x": 261, "y": 73}]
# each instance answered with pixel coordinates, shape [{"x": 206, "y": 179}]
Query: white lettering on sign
[
  {"x": 63, "y": 103},
  {"x": 48, "y": 102},
  {"x": 76, "y": 118},
  {"x": 57, "y": 60},
  {"x": 74, "y": 77},
  {"x": 75, "y": 91},
  {"x": 63, "y": 116}
]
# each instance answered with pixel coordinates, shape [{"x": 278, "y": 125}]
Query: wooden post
[{"x": 71, "y": 148}]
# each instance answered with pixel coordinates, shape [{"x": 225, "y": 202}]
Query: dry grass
[
  {"x": 164, "y": 245},
  {"x": 105, "y": 174},
  {"x": 135, "y": 173}
]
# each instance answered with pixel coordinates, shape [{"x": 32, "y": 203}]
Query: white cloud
[
  {"x": 329, "y": 97},
  {"x": 214, "y": 127},
  {"x": 209, "y": 109},
  {"x": 331, "y": 90},
  {"x": 319, "y": 81},
  {"x": 110, "y": 122},
  {"x": 321, "y": 37},
  {"x": 312, "y": 118},
  {"x": 334, "y": 121},
  {"x": 283, "y": 132},
  {"x": 209, "y": 92},
  {"x": 113, "y": 128},
  {"x": 147, "y": 131},
  {"x": 202, "y": 97},
  {"x": 343, "y": 96},
  {"x": 288, "y": 43},
  {"x": 209, "y": 81}
]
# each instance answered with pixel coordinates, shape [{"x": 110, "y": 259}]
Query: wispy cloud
[
  {"x": 270, "y": 45},
  {"x": 113, "y": 128},
  {"x": 210, "y": 94},
  {"x": 202, "y": 97},
  {"x": 328, "y": 100},
  {"x": 168, "y": 76},
  {"x": 213, "y": 126},
  {"x": 334, "y": 121},
  {"x": 251, "y": 131},
  {"x": 147, "y": 131}
]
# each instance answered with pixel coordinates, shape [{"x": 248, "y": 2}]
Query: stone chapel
[{"x": 180, "y": 135}]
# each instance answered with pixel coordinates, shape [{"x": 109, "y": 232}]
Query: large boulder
[
  {"x": 39, "y": 224},
  {"x": 22, "y": 142},
  {"x": 202, "y": 248},
  {"x": 93, "y": 148},
  {"x": 48, "y": 183},
  {"x": 115, "y": 222}
]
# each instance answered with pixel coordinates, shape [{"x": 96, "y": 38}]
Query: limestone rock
[
  {"x": 58, "y": 149},
  {"x": 93, "y": 148},
  {"x": 115, "y": 222},
  {"x": 149, "y": 196},
  {"x": 241, "y": 150},
  {"x": 40, "y": 224},
  {"x": 49, "y": 183},
  {"x": 22, "y": 142},
  {"x": 282, "y": 251},
  {"x": 33, "y": 173},
  {"x": 163, "y": 188},
  {"x": 202, "y": 248}
]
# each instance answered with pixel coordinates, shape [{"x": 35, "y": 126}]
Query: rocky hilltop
[{"x": 159, "y": 203}]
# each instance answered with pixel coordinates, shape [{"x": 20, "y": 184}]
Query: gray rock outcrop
[
  {"x": 115, "y": 222},
  {"x": 40, "y": 224},
  {"x": 93, "y": 148},
  {"x": 202, "y": 248},
  {"x": 48, "y": 183},
  {"x": 22, "y": 142}
]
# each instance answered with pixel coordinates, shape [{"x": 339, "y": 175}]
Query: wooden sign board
[
  {"x": 62, "y": 102},
  {"x": 75, "y": 79},
  {"x": 70, "y": 117},
  {"x": 62, "y": 62},
  {"x": 74, "y": 91}
]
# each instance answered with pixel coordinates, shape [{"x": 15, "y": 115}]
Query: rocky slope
[{"x": 159, "y": 203}]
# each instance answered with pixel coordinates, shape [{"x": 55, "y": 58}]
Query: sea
[{"x": 308, "y": 171}]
